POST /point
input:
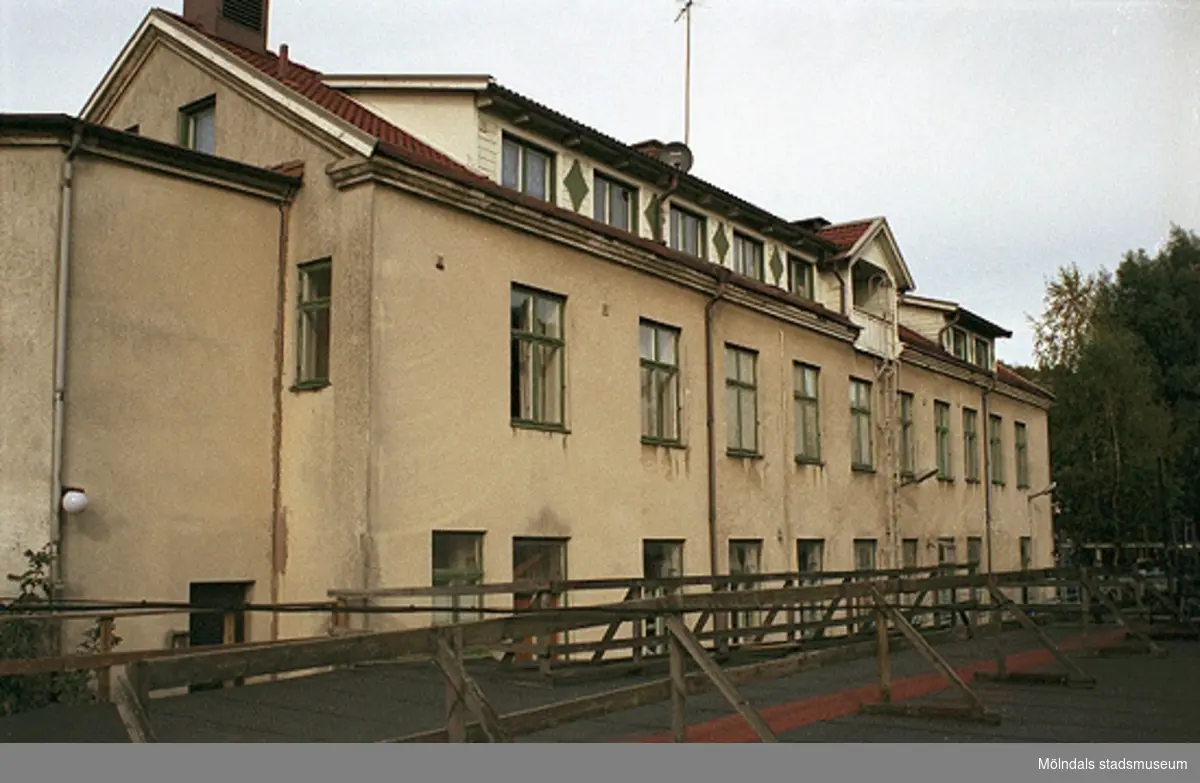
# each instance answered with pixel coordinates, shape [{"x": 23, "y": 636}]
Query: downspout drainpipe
[
  {"x": 710, "y": 419},
  {"x": 997, "y": 616},
  {"x": 278, "y": 522},
  {"x": 663, "y": 214},
  {"x": 58, "y": 437}
]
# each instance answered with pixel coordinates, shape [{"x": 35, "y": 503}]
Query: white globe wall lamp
[{"x": 74, "y": 501}]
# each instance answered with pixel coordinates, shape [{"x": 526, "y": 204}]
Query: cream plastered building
[{"x": 400, "y": 330}]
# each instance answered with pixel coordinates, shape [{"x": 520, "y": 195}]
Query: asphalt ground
[{"x": 1137, "y": 698}]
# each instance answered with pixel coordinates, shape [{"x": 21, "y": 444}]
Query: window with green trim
[
  {"x": 908, "y": 442},
  {"x": 741, "y": 396},
  {"x": 659, "y": 351},
  {"x": 1021, "y": 448},
  {"x": 747, "y": 256},
  {"x": 614, "y": 203},
  {"x": 983, "y": 353},
  {"x": 803, "y": 278},
  {"x": 971, "y": 445},
  {"x": 316, "y": 290},
  {"x": 197, "y": 125},
  {"x": 861, "y": 448},
  {"x": 526, "y": 168},
  {"x": 807, "y": 396},
  {"x": 688, "y": 232},
  {"x": 996, "y": 449},
  {"x": 958, "y": 344},
  {"x": 941, "y": 425},
  {"x": 538, "y": 378}
]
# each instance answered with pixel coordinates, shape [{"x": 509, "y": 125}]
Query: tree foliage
[
  {"x": 1122, "y": 354},
  {"x": 32, "y": 638}
]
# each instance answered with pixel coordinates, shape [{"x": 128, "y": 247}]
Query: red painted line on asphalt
[{"x": 793, "y": 715}]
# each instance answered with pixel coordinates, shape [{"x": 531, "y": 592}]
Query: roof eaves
[{"x": 784, "y": 228}]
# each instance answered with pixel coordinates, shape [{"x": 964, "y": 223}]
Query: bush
[{"x": 24, "y": 639}]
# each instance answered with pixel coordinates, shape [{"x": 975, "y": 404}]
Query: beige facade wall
[
  {"x": 322, "y": 529},
  {"x": 168, "y": 415},
  {"x": 445, "y": 120},
  {"x": 29, "y": 220}
]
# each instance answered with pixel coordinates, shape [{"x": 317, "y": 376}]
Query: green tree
[{"x": 1061, "y": 331}]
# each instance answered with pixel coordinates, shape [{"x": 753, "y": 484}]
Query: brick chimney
[{"x": 242, "y": 22}]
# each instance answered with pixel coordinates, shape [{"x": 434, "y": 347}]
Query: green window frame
[
  {"x": 983, "y": 353},
  {"x": 807, "y": 406},
  {"x": 614, "y": 203},
  {"x": 689, "y": 232},
  {"x": 197, "y": 125},
  {"x": 959, "y": 344},
  {"x": 658, "y": 347},
  {"x": 314, "y": 308},
  {"x": 741, "y": 395},
  {"x": 971, "y": 445},
  {"x": 996, "y": 449},
  {"x": 538, "y": 370},
  {"x": 862, "y": 447},
  {"x": 908, "y": 443},
  {"x": 526, "y": 168},
  {"x": 941, "y": 427},
  {"x": 802, "y": 278},
  {"x": 748, "y": 256},
  {"x": 1021, "y": 450}
]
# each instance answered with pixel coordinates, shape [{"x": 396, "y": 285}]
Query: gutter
[
  {"x": 58, "y": 436},
  {"x": 710, "y": 418}
]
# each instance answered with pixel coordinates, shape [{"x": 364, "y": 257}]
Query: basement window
[
  {"x": 197, "y": 125},
  {"x": 316, "y": 284},
  {"x": 457, "y": 562}
]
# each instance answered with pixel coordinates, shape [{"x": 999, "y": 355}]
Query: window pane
[
  {"x": 668, "y": 395},
  {"x": 549, "y": 364},
  {"x": 549, "y": 321},
  {"x": 746, "y": 366},
  {"x": 619, "y": 207},
  {"x": 676, "y": 234},
  {"x": 731, "y": 417},
  {"x": 537, "y": 174},
  {"x": 666, "y": 346},
  {"x": 748, "y": 409},
  {"x": 649, "y": 409},
  {"x": 521, "y": 306},
  {"x": 646, "y": 341},
  {"x": 204, "y": 131},
  {"x": 731, "y": 364},
  {"x": 510, "y": 167},
  {"x": 314, "y": 346},
  {"x": 600, "y": 200},
  {"x": 317, "y": 283},
  {"x": 522, "y": 380}
]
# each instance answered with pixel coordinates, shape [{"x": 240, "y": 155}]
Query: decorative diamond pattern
[
  {"x": 651, "y": 214},
  {"x": 720, "y": 243},
  {"x": 776, "y": 265},
  {"x": 577, "y": 187}
]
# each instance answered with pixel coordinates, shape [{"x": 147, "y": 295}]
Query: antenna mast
[{"x": 686, "y": 13}]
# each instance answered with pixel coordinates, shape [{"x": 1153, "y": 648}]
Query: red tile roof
[
  {"x": 1004, "y": 373},
  {"x": 307, "y": 82},
  {"x": 845, "y": 235}
]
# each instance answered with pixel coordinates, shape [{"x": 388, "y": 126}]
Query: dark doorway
[{"x": 209, "y": 628}]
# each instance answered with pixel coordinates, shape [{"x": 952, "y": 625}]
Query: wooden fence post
[
  {"x": 885, "y": 664},
  {"x": 104, "y": 676}
]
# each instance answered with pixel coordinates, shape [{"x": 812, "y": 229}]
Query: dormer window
[
  {"x": 614, "y": 203},
  {"x": 958, "y": 344},
  {"x": 802, "y": 278},
  {"x": 747, "y": 257},
  {"x": 983, "y": 353},
  {"x": 687, "y": 232},
  {"x": 526, "y": 168}
]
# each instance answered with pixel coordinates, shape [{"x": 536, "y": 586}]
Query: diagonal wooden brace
[
  {"x": 1089, "y": 584},
  {"x": 691, "y": 645},
  {"x": 131, "y": 700},
  {"x": 1075, "y": 676},
  {"x": 468, "y": 691},
  {"x": 922, "y": 646}
]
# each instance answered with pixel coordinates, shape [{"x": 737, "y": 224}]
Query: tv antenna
[{"x": 685, "y": 13}]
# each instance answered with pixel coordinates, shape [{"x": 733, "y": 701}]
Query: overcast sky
[{"x": 1001, "y": 138}]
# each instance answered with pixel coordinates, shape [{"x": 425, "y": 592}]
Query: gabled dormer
[
  {"x": 872, "y": 275},
  {"x": 966, "y": 336}
]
